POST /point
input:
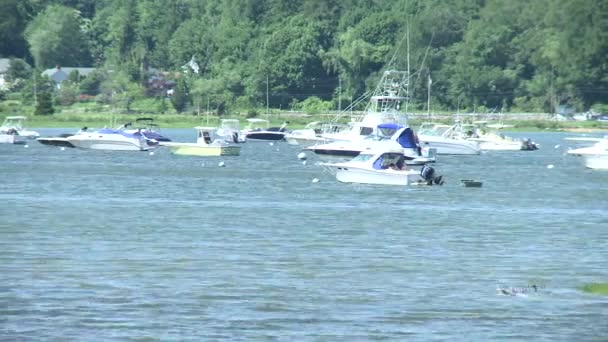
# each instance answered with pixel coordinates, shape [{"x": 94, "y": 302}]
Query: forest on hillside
[{"x": 509, "y": 55}]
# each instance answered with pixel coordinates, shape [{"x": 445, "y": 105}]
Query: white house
[{"x": 4, "y": 64}]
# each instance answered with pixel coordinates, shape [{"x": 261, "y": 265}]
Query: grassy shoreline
[{"x": 74, "y": 120}]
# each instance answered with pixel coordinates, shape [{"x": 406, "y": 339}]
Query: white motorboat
[
  {"x": 382, "y": 167},
  {"x": 313, "y": 133},
  {"x": 230, "y": 131},
  {"x": 258, "y": 129},
  {"x": 446, "y": 140},
  {"x": 12, "y": 138},
  {"x": 14, "y": 125},
  {"x": 60, "y": 140},
  {"x": 391, "y": 136},
  {"x": 205, "y": 146},
  {"x": 491, "y": 138},
  {"x": 595, "y": 156},
  {"x": 112, "y": 139}
]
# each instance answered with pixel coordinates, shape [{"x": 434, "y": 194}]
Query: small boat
[
  {"x": 445, "y": 140},
  {"x": 314, "y": 133},
  {"x": 595, "y": 156},
  {"x": 471, "y": 183},
  {"x": 112, "y": 139},
  {"x": 15, "y": 124},
  {"x": 204, "y": 146},
  {"x": 258, "y": 129},
  {"x": 11, "y": 137},
  {"x": 230, "y": 131},
  {"x": 382, "y": 167},
  {"x": 491, "y": 138}
]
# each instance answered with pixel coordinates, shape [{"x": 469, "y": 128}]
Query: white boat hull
[
  {"x": 202, "y": 150},
  {"x": 305, "y": 141},
  {"x": 500, "y": 146},
  {"x": 11, "y": 139},
  {"x": 450, "y": 146},
  {"x": 349, "y": 174},
  {"x": 596, "y": 162},
  {"x": 112, "y": 142}
]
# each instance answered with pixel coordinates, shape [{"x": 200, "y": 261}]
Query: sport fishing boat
[
  {"x": 383, "y": 107},
  {"x": 13, "y": 125},
  {"x": 382, "y": 167},
  {"x": 204, "y": 146}
]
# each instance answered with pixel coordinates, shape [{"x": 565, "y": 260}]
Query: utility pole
[
  {"x": 267, "y": 104},
  {"x": 428, "y": 106},
  {"x": 340, "y": 94},
  {"x": 35, "y": 90}
]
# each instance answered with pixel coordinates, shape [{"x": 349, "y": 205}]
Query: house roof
[{"x": 67, "y": 70}]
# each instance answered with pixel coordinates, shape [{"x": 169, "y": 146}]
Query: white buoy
[
  {"x": 303, "y": 162},
  {"x": 62, "y": 148},
  {"x": 556, "y": 146},
  {"x": 278, "y": 149},
  {"x": 203, "y": 164},
  {"x": 302, "y": 156},
  {"x": 271, "y": 143},
  {"x": 550, "y": 166},
  {"x": 221, "y": 164},
  {"x": 315, "y": 180},
  {"x": 26, "y": 145},
  {"x": 151, "y": 153}
]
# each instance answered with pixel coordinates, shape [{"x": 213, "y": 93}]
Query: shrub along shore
[{"x": 80, "y": 117}]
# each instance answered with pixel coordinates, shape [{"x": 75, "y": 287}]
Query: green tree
[
  {"x": 18, "y": 73},
  {"x": 44, "y": 105},
  {"x": 56, "y": 38},
  {"x": 181, "y": 95}
]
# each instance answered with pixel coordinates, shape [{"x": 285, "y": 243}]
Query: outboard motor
[{"x": 428, "y": 174}]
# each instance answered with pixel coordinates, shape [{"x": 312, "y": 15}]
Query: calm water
[{"x": 102, "y": 245}]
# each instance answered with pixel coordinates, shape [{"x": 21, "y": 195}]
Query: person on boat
[{"x": 399, "y": 165}]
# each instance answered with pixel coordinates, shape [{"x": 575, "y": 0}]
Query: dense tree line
[{"x": 499, "y": 54}]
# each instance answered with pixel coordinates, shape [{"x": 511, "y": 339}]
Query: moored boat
[
  {"x": 382, "y": 167},
  {"x": 258, "y": 129},
  {"x": 205, "y": 146},
  {"x": 14, "y": 124},
  {"x": 595, "y": 156}
]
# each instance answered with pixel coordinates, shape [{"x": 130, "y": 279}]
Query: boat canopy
[{"x": 407, "y": 139}]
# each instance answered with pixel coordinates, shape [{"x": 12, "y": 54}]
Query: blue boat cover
[
  {"x": 390, "y": 126},
  {"x": 406, "y": 139}
]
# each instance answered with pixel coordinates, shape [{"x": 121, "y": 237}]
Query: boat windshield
[
  {"x": 436, "y": 130},
  {"x": 362, "y": 157}
]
